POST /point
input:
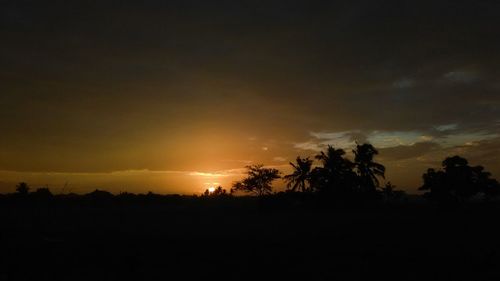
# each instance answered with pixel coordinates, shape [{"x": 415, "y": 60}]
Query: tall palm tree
[
  {"x": 301, "y": 175},
  {"x": 368, "y": 170},
  {"x": 334, "y": 159},
  {"x": 336, "y": 171}
]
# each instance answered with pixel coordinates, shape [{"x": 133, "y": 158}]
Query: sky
[{"x": 177, "y": 96}]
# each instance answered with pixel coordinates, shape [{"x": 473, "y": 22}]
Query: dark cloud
[
  {"x": 483, "y": 152},
  {"x": 358, "y": 137}
]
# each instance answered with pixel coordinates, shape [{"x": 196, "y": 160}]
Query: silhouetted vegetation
[
  {"x": 173, "y": 237},
  {"x": 100, "y": 195},
  {"x": 42, "y": 193},
  {"x": 217, "y": 192},
  {"x": 333, "y": 178},
  {"x": 322, "y": 218},
  {"x": 302, "y": 233},
  {"x": 258, "y": 181},
  {"x": 458, "y": 181},
  {"x": 368, "y": 171},
  {"x": 389, "y": 192},
  {"x": 301, "y": 178},
  {"x": 338, "y": 177},
  {"x": 22, "y": 188}
]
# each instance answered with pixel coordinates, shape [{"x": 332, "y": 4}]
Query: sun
[{"x": 211, "y": 189}]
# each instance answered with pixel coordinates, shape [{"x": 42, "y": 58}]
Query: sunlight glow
[{"x": 210, "y": 175}]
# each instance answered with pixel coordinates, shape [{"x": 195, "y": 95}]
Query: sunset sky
[{"x": 176, "y": 96}]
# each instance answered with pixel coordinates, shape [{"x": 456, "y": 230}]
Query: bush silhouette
[
  {"x": 42, "y": 192},
  {"x": 100, "y": 195}
]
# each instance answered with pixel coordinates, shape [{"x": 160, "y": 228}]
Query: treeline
[
  {"x": 331, "y": 176},
  {"x": 334, "y": 176}
]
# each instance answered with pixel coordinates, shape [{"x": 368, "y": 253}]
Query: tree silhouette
[
  {"x": 218, "y": 192},
  {"x": 258, "y": 181},
  {"x": 435, "y": 182},
  {"x": 459, "y": 177},
  {"x": 336, "y": 174},
  {"x": 22, "y": 188},
  {"x": 42, "y": 192},
  {"x": 458, "y": 181},
  {"x": 489, "y": 186},
  {"x": 366, "y": 168},
  {"x": 100, "y": 195},
  {"x": 301, "y": 175}
]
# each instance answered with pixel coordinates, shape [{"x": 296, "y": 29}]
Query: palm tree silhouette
[
  {"x": 334, "y": 160},
  {"x": 300, "y": 176},
  {"x": 336, "y": 171},
  {"x": 368, "y": 170}
]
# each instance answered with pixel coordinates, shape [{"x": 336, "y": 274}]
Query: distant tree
[
  {"x": 458, "y": 181},
  {"x": 367, "y": 170},
  {"x": 126, "y": 195},
  {"x": 336, "y": 174},
  {"x": 218, "y": 192},
  {"x": 390, "y": 193},
  {"x": 151, "y": 194},
  {"x": 100, "y": 195},
  {"x": 42, "y": 192},
  {"x": 22, "y": 188},
  {"x": 435, "y": 183},
  {"x": 258, "y": 181},
  {"x": 300, "y": 178}
]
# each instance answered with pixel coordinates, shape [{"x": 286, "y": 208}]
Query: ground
[{"x": 246, "y": 239}]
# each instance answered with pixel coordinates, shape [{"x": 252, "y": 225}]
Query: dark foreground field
[{"x": 245, "y": 239}]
